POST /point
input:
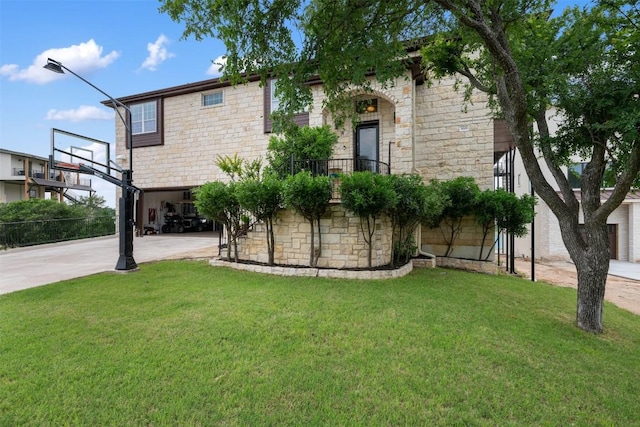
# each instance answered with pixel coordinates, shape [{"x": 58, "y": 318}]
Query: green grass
[{"x": 183, "y": 343}]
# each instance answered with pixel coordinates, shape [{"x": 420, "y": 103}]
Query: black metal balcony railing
[
  {"x": 29, "y": 233},
  {"x": 335, "y": 167}
]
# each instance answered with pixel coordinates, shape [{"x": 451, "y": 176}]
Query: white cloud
[
  {"x": 215, "y": 69},
  {"x": 82, "y": 113},
  {"x": 81, "y": 58},
  {"x": 158, "y": 53}
]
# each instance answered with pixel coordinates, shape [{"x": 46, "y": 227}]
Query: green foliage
[
  {"x": 415, "y": 203},
  {"x": 301, "y": 144},
  {"x": 218, "y": 201},
  {"x": 38, "y": 209},
  {"x": 504, "y": 210},
  {"x": 37, "y": 221},
  {"x": 238, "y": 168},
  {"x": 459, "y": 196},
  {"x": 309, "y": 196},
  {"x": 263, "y": 199},
  {"x": 367, "y": 195}
]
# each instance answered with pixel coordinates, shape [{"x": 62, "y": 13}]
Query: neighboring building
[
  {"x": 25, "y": 176},
  {"x": 623, "y": 223},
  {"x": 179, "y": 132}
]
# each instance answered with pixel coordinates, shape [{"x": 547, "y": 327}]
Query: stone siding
[
  {"x": 466, "y": 245},
  {"x": 194, "y": 137},
  {"x": 317, "y": 272},
  {"x": 343, "y": 245},
  {"x": 452, "y": 138},
  {"x": 469, "y": 265}
]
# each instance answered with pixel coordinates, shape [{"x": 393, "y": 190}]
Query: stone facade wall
[
  {"x": 343, "y": 245},
  {"x": 449, "y": 141},
  {"x": 194, "y": 136},
  {"x": 466, "y": 245},
  {"x": 395, "y": 116},
  {"x": 423, "y": 129}
]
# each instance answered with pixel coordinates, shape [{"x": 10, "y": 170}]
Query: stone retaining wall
[
  {"x": 316, "y": 272},
  {"x": 486, "y": 267},
  {"x": 343, "y": 245}
]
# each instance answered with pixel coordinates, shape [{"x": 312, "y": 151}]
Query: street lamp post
[{"x": 126, "y": 222}]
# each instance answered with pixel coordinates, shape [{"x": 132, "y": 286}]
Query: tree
[
  {"x": 263, "y": 198},
  {"x": 367, "y": 195},
  {"x": 38, "y": 210},
  {"x": 529, "y": 62},
  {"x": 300, "y": 144},
  {"x": 584, "y": 64},
  {"x": 503, "y": 210},
  {"x": 218, "y": 201},
  {"x": 309, "y": 196},
  {"x": 460, "y": 194}
]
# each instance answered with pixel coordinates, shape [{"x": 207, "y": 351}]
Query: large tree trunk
[{"x": 590, "y": 253}]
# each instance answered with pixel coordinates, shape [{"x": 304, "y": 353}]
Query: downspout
[
  {"x": 419, "y": 239},
  {"x": 413, "y": 126}
]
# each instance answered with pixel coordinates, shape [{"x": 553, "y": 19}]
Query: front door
[
  {"x": 613, "y": 240},
  {"x": 367, "y": 147}
]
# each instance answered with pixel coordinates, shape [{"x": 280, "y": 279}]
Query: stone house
[{"x": 413, "y": 127}]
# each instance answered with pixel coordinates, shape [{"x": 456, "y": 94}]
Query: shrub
[
  {"x": 309, "y": 196},
  {"x": 299, "y": 143},
  {"x": 367, "y": 195}
]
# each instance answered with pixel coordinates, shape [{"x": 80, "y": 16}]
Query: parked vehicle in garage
[{"x": 174, "y": 223}]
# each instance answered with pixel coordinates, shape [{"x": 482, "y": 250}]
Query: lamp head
[{"x": 54, "y": 66}]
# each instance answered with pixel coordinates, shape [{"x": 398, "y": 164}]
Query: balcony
[{"x": 333, "y": 168}]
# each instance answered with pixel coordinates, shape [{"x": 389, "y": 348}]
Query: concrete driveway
[{"x": 23, "y": 268}]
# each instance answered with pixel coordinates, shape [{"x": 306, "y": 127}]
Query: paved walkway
[
  {"x": 623, "y": 282},
  {"x": 23, "y": 268}
]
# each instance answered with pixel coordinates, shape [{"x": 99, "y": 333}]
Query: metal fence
[
  {"x": 336, "y": 167},
  {"x": 29, "y": 233}
]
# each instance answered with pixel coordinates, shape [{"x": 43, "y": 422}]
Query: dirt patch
[{"x": 624, "y": 293}]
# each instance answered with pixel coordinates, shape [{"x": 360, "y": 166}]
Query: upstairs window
[
  {"x": 144, "y": 118},
  {"x": 575, "y": 171},
  {"x": 147, "y": 123},
  {"x": 272, "y": 104},
  {"x": 275, "y": 101},
  {"x": 210, "y": 99},
  {"x": 574, "y": 174}
]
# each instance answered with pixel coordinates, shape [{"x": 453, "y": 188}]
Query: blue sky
[{"x": 124, "y": 47}]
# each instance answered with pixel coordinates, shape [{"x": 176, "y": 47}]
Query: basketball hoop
[{"x": 64, "y": 165}]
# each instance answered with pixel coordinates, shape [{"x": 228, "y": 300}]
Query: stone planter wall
[
  {"x": 343, "y": 245},
  {"x": 486, "y": 267}
]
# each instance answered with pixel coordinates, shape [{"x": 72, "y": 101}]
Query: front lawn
[{"x": 184, "y": 343}]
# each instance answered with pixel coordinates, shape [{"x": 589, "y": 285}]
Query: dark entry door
[
  {"x": 367, "y": 147},
  {"x": 613, "y": 240}
]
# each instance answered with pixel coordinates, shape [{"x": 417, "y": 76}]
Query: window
[
  {"x": 575, "y": 171},
  {"x": 143, "y": 118},
  {"x": 215, "y": 98},
  {"x": 574, "y": 174},
  {"x": 275, "y": 101},
  {"x": 272, "y": 104},
  {"x": 146, "y": 123}
]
